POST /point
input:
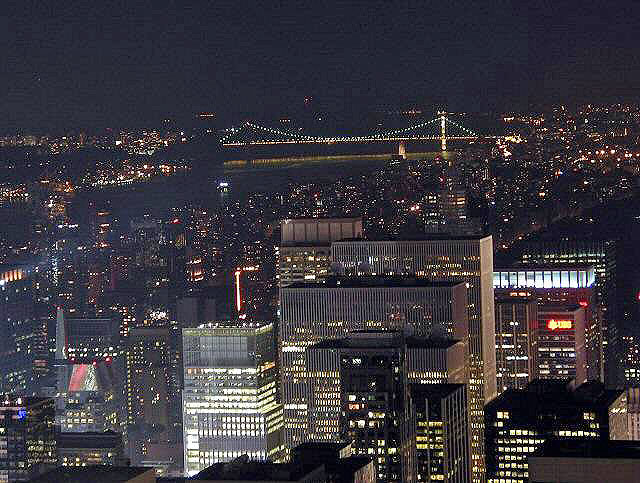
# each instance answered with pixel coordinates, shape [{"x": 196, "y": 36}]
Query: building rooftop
[
  {"x": 377, "y": 339},
  {"x": 374, "y": 282},
  {"x": 429, "y": 238},
  {"x": 244, "y": 469},
  {"x": 107, "y": 439},
  {"x": 555, "y": 396},
  {"x": 535, "y": 267},
  {"x": 584, "y": 448},
  {"x": 94, "y": 474},
  {"x": 440, "y": 390}
]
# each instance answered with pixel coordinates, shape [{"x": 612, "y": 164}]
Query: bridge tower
[
  {"x": 402, "y": 150},
  {"x": 443, "y": 131}
]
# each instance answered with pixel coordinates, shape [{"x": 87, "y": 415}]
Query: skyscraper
[
  {"x": 311, "y": 313},
  {"x": 516, "y": 320},
  {"x": 229, "y": 397},
  {"x": 559, "y": 339},
  {"x": 370, "y": 401},
  {"x": 152, "y": 403},
  {"x": 602, "y": 255},
  {"x": 439, "y": 423},
  {"x": 520, "y": 420},
  {"x": 304, "y": 254},
  {"x": 568, "y": 285},
  {"x": 468, "y": 260},
  {"x": 23, "y": 348}
]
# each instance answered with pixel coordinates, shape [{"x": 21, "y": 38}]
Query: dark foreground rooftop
[{"x": 95, "y": 474}]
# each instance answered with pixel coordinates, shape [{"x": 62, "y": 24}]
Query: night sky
[{"x": 78, "y": 65}]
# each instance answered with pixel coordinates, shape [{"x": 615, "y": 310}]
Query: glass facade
[{"x": 229, "y": 396}]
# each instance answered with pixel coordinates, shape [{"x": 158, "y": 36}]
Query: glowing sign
[
  {"x": 583, "y": 303},
  {"x": 22, "y": 413},
  {"x": 554, "y": 324}
]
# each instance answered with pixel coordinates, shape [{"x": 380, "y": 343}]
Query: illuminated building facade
[
  {"x": 440, "y": 424},
  {"x": 554, "y": 286},
  {"x": 559, "y": 344},
  {"x": 27, "y": 437},
  {"x": 153, "y": 404},
  {"x": 516, "y": 319},
  {"x": 464, "y": 259},
  {"x": 364, "y": 398},
  {"x": 311, "y": 313},
  {"x": 519, "y": 421},
  {"x": 304, "y": 254},
  {"x": 602, "y": 255},
  {"x": 229, "y": 397},
  {"x": 23, "y": 345},
  {"x": 90, "y": 449},
  {"x": 89, "y": 397},
  {"x": 89, "y": 391}
]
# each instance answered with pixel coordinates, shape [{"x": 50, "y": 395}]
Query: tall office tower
[
  {"x": 440, "y": 423},
  {"x": 90, "y": 449},
  {"x": 371, "y": 372},
  {"x": 520, "y": 420},
  {"x": 468, "y": 260},
  {"x": 229, "y": 396},
  {"x": 559, "y": 344},
  {"x": 426, "y": 361},
  {"x": 23, "y": 348},
  {"x": 152, "y": 404},
  {"x": 555, "y": 286},
  {"x": 304, "y": 254},
  {"x": 602, "y": 255},
  {"x": 27, "y": 437},
  {"x": 312, "y": 312},
  {"x": 89, "y": 391},
  {"x": 516, "y": 319}
]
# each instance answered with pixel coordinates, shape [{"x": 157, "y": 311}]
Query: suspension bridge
[{"x": 440, "y": 129}]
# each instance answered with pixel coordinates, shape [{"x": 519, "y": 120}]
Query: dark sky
[{"x": 123, "y": 63}]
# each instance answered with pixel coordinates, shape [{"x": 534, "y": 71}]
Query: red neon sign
[{"x": 554, "y": 324}]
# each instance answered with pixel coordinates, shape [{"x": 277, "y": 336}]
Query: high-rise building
[
  {"x": 516, "y": 319},
  {"x": 466, "y": 259},
  {"x": 360, "y": 394},
  {"x": 23, "y": 346},
  {"x": 558, "y": 344},
  {"x": 229, "y": 396},
  {"x": 304, "y": 254},
  {"x": 440, "y": 424},
  {"x": 90, "y": 389},
  {"x": 602, "y": 255},
  {"x": 311, "y": 313},
  {"x": 520, "y": 420},
  {"x": 559, "y": 286},
  {"x": 27, "y": 437},
  {"x": 152, "y": 403}
]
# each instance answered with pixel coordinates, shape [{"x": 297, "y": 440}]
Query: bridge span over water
[{"x": 440, "y": 129}]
